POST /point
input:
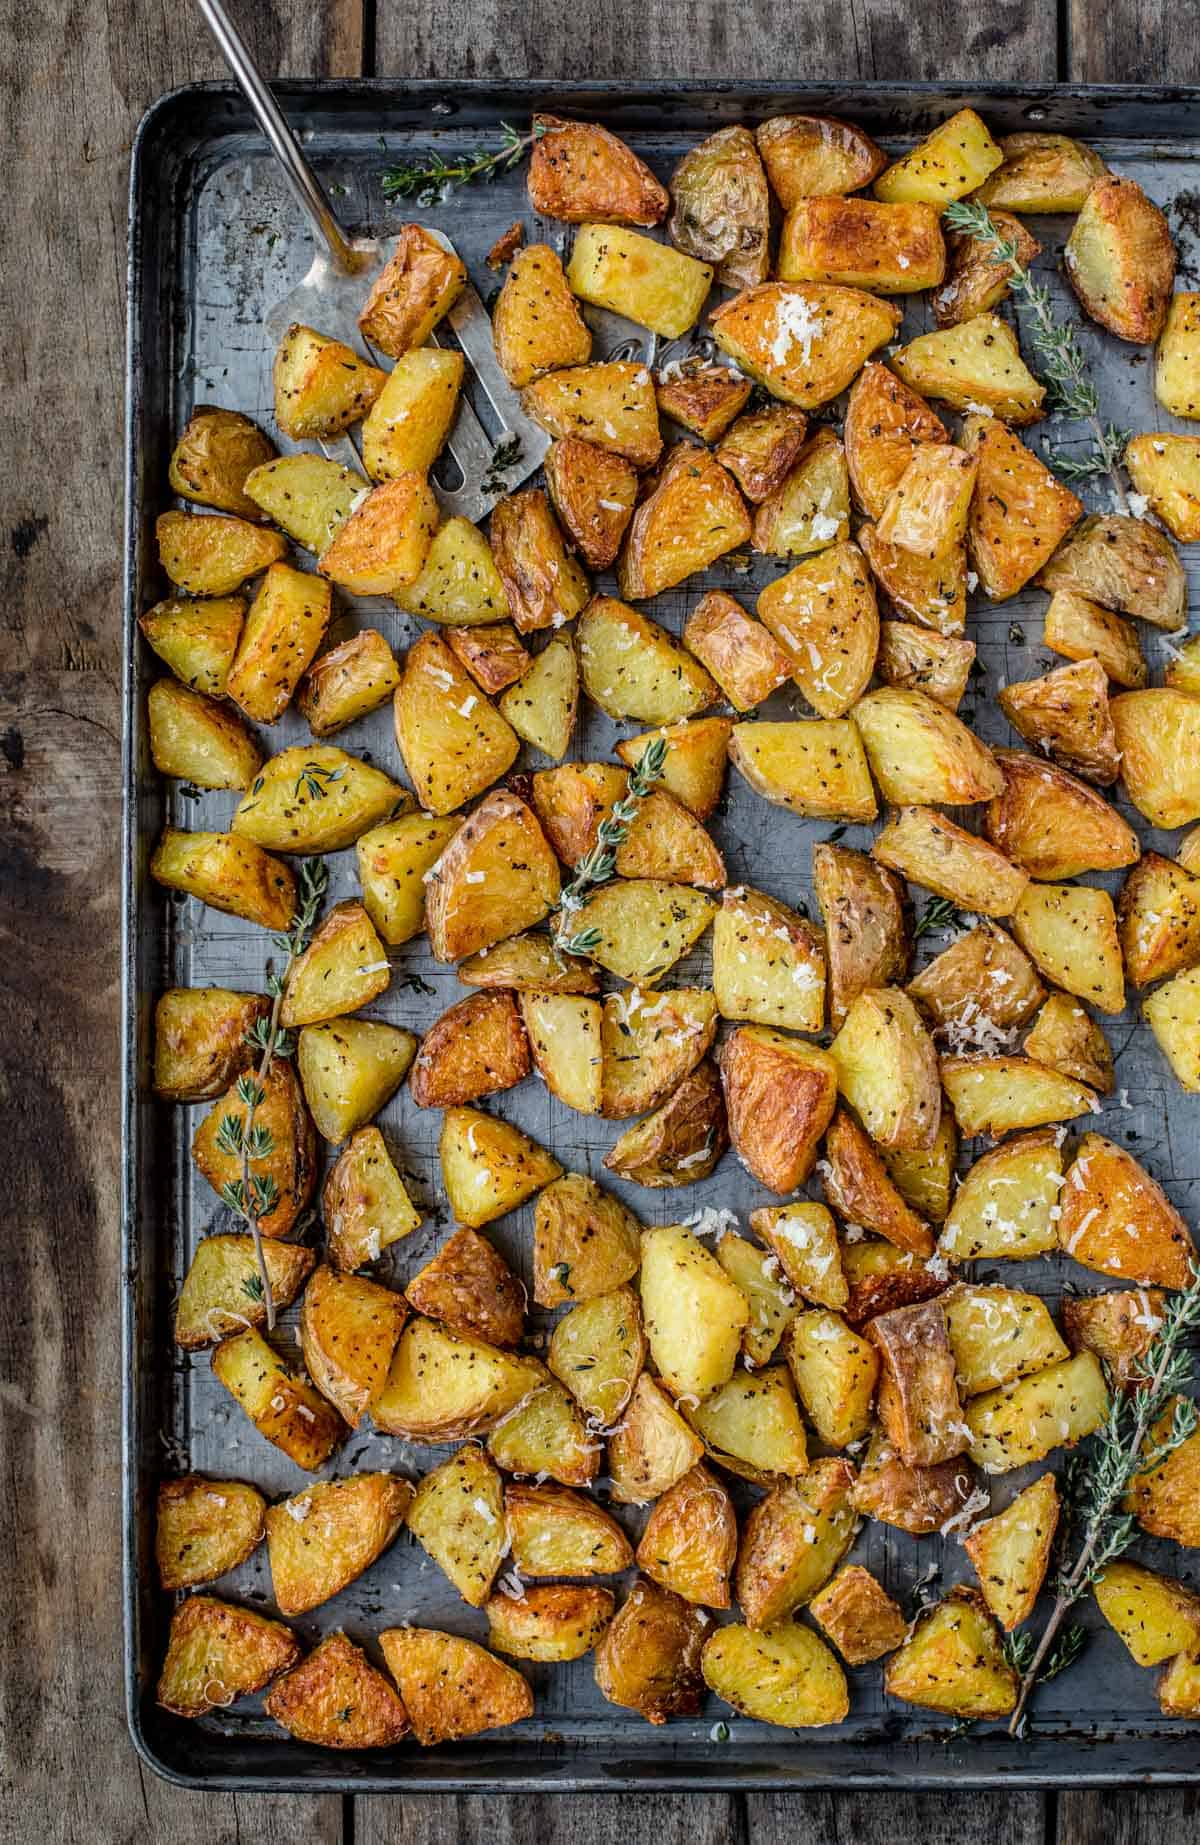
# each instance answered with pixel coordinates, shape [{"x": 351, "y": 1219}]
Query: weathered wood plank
[
  {"x": 1128, "y": 1816},
  {"x": 934, "y": 1819},
  {"x": 1130, "y": 41},
  {"x": 581, "y": 1819}
]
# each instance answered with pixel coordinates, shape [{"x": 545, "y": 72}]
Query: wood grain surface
[{"x": 78, "y": 80}]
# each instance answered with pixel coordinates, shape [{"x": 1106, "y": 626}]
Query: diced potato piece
[
  {"x": 952, "y": 161},
  {"x": 315, "y": 799},
  {"x": 420, "y": 282},
  {"x": 863, "y": 908},
  {"x": 921, "y": 753},
  {"x": 285, "y": 1409},
  {"x": 322, "y": 1539},
  {"x": 1070, "y": 933},
  {"x": 1011, "y": 1551},
  {"x": 217, "y": 1653},
  {"x": 196, "y": 638},
  {"x": 476, "y": 1048},
  {"x": 597, "y": 1351},
  {"x": 308, "y": 495},
  {"x": 647, "y": 282},
  {"x": 887, "y": 1069},
  {"x": 682, "y": 1141},
  {"x": 919, "y": 1405},
  {"x": 752, "y": 1427},
  {"x": 977, "y": 281},
  {"x": 858, "y": 1187},
  {"x": 1080, "y": 629},
  {"x": 995, "y": 1095},
  {"x": 690, "y": 1540},
  {"x": 702, "y": 398},
  {"x": 585, "y": 1242},
  {"x": 1066, "y": 713},
  {"x": 997, "y": 1335},
  {"x": 1124, "y": 564},
  {"x": 859, "y": 1616},
  {"x": 1179, "y": 1687},
  {"x": 721, "y": 208},
  {"x": 694, "y": 1314},
  {"x": 364, "y": 1203},
  {"x": 651, "y": 1041},
  {"x": 385, "y": 542},
  {"x": 975, "y": 366},
  {"x": 982, "y": 979},
  {"x": 546, "y": 1437},
  {"x": 770, "y": 1299},
  {"x": 779, "y": 1094},
  {"x": 1117, "y": 1219},
  {"x": 392, "y": 862},
  {"x": 919, "y": 659},
  {"x": 544, "y": 585},
  {"x": 649, "y": 1657},
  {"x": 470, "y": 1288},
  {"x": 228, "y": 874},
  {"x": 457, "y": 1515},
  {"x": 934, "y": 594},
  {"x": 352, "y": 679},
  {"x": 580, "y": 171},
  {"x": 528, "y": 963},
  {"x": 1026, "y": 1421},
  {"x": 823, "y": 613},
  {"x": 805, "y": 341},
  {"x": 1120, "y": 260},
  {"x": 321, "y": 385},
  {"x": 458, "y": 583},
  {"x": 290, "y": 1166},
  {"x": 342, "y": 969},
  {"x": 489, "y": 1167},
  {"x": 336, "y": 1699},
  {"x": 792, "y": 1542},
  {"x": 919, "y": 1500},
  {"x": 638, "y": 928},
  {"x": 931, "y": 851},
  {"x": 743, "y": 657},
  {"x": 453, "y": 740},
  {"x": 497, "y": 875},
  {"x": 205, "y": 1527},
  {"x": 768, "y": 963},
  {"x": 953, "y": 1661},
  {"x": 1158, "y": 914},
  {"x": 201, "y": 1040},
  {"x": 1003, "y": 1206},
  {"x": 594, "y": 494},
  {"x": 810, "y": 509},
  {"x": 803, "y": 1237},
  {"x": 890, "y": 249},
  {"x": 1041, "y": 173},
  {"x": 452, "y": 1688},
  {"x": 1020, "y": 513},
  {"x": 215, "y": 453},
  {"x": 815, "y": 156},
  {"x": 612, "y": 405},
  {"x": 1165, "y": 470},
  {"x": 693, "y": 516},
  {"x": 926, "y": 512},
  {"x": 885, "y": 422},
  {"x": 785, "y": 1675},
  {"x": 199, "y": 740},
  {"x": 650, "y": 1447},
  {"x": 409, "y": 421},
  {"x": 1154, "y": 1615},
  {"x": 349, "y": 1328},
  {"x": 564, "y": 1038},
  {"x": 492, "y": 653},
  {"x": 1173, "y": 1014},
  {"x": 1052, "y": 825},
  {"x": 555, "y": 1532},
  {"x": 349, "y": 1069},
  {"x": 1158, "y": 737},
  {"x": 696, "y": 755},
  {"x": 835, "y": 1374},
  {"x": 817, "y": 768},
  {"x": 552, "y": 1622},
  {"x": 760, "y": 448},
  {"x": 633, "y": 668},
  {"x": 1177, "y": 362},
  {"x": 536, "y": 323},
  {"x": 572, "y": 803},
  {"x": 442, "y": 1387},
  {"x": 212, "y": 555},
  {"x": 1165, "y": 1499},
  {"x": 880, "y": 1277},
  {"x": 1118, "y": 1326},
  {"x": 924, "y": 1176}
]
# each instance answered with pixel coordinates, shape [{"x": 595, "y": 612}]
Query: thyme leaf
[{"x": 424, "y": 183}]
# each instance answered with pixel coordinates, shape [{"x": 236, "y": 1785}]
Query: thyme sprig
[
  {"x": 254, "y": 1195},
  {"x": 424, "y": 184},
  {"x": 1098, "y": 1483},
  {"x": 1063, "y": 365},
  {"x": 939, "y": 914},
  {"x": 314, "y": 781},
  {"x": 598, "y": 865}
]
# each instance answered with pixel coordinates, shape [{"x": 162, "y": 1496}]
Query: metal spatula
[{"x": 337, "y": 285}]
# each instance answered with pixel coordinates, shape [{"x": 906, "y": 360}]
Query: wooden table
[{"x": 78, "y": 82}]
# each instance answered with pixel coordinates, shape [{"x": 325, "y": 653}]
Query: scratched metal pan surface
[{"x": 214, "y": 242}]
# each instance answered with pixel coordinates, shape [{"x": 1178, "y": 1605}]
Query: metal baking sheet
[{"x": 214, "y": 242}]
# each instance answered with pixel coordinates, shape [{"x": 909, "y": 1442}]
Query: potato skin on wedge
[
  {"x": 580, "y": 172},
  {"x": 452, "y": 1688},
  {"x": 217, "y": 1653},
  {"x": 690, "y": 1541},
  {"x": 1120, "y": 260},
  {"x": 470, "y": 1288},
  {"x": 292, "y": 1163},
  {"x": 349, "y": 1327},
  {"x": 858, "y": 1615},
  {"x": 336, "y": 1699},
  {"x": 1053, "y": 825},
  {"x": 649, "y": 1657},
  {"x": 953, "y": 1661},
  {"x": 325, "y": 1537},
  {"x": 784, "y": 1675},
  {"x": 887, "y": 1069},
  {"x": 552, "y": 1621},
  {"x": 204, "y": 1528},
  {"x": 476, "y": 1048},
  {"x": 779, "y": 1097}
]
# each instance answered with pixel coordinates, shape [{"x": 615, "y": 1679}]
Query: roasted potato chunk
[
  {"x": 1066, "y": 712},
  {"x": 322, "y": 1539},
  {"x": 1026, "y": 1421},
  {"x": 1118, "y": 1326},
  {"x": 817, "y": 768},
  {"x": 1117, "y": 1219},
  {"x": 880, "y": 1276},
  {"x": 552, "y": 1622},
  {"x": 824, "y": 615},
  {"x": 649, "y": 1657},
  {"x": 785, "y": 1675},
  {"x": 702, "y": 398},
  {"x": 452, "y": 1688},
  {"x": 309, "y": 496},
  {"x": 859, "y": 1189},
  {"x": 285, "y": 1410},
  {"x": 458, "y": 583},
  {"x": 392, "y": 862},
  {"x": 1041, "y": 173},
  {"x": 768, "y": 963},
  {"x": 1154, "y": 1615},
  {"x": 919, "y": 1500},
  {"x": 364, "y": 1203},
  {"x": 420, "y": 283},
  {"x": 349, "y": 1069},
  {"x": 885, "y": 422},
  {"x": 998, "y": 1334},
  {"x": 554, "y": 1532},
  {"x": 1158, "y": 915},
  {"x": 650, "y": 1447},
  {"x": 742, "y": 655},
  {"x": 1120, "y": 260},
  {"x": 926, "y": 512},
  {"x": 407, "y": 425},
  {"x": 205, "y": 1527},
  {"x": 805, "y": 341},
  {"x": 222, "y": 1288},
  {"x": 1080, "y": 629},
  {"x": 1179, "y": 1687},
  {"x": 211, "y": 556},
  {"x": 995, "y": 1095},
  {"x": 760, "y": 448},
  {"x": 752, "y": 1427},
  {"x": 690, "y": 1540},
  {"x": 597, "y": 1351},
  {"x": 336, "y": 1699},
  {"x": 644, "y": 925},
  {"x": 921, "y": 660},
  {"x": 585, "y": 1242},
  {"x": 924, "y": 1176},
  {"x": 890, "y": 249},
  {"x": 651, "y": 1041},
  {"x": 792, "y": 1541},
  {"x": 349, "y": 1328},
  {"x": 694, "y": 515},
  {"x": 982, "y": 980},
  {"x": 1164, "y": 1498},
  {"x": 835, "y": 1373},
  {"x": 815, "y": 156},
  {"x": 858, "y": 1615},
  {"x": 228, "y": 874},
  {"x": 953, "y": 1661},
  {"x": 528, "y": 963},
  {"x": 536, "y": 323},
  {"x": 321, "y": 385},
  {"x": 694, "y": 1313},
  {"x": 863, "y": 908},
  {"x": 201, "y": 1040},
  {"x": 975, "y": 366},
  {"x": 442, "y": 1387},
  {"x": 565, "y": 1042},
  {"x": 546, "y": 1437},
  {"x": 1052, "y": 825},
  {"x": 804, "y": 1238},
  {"x": 1125, "y": 564},
  {"x": 1005, "y": 1204},
  {"x": 612, "y": 405},
  {"x": 317, "y": 799},
  {"x": 978, "y": 281},
  {"x": 493, "y": 654},
  {"x": 930, "y": 850},
  {"x": 952, "y": 161},
  {"x": 217, "y": 1653},
  {"x": 1070, "y": 933},
  {"x": 215, "y": 453},
  {"x": 694, "y": 770},
  {"x": 632, "y": 668},
  {"x": 1157, "y": 734},
  {"x": 450, "y": 757},
  {"x": 290, "y": 1166},
  {"x": 779, "y": 1096},
  {"x": 1011, "y": 1551},
  {"x": 887, "y": 1069},
  {"x": 682, "y": 1141},
  {"x": 489, "y": 1167},
  {"x": 352, "y": 679},
  {"x": 919, "y": 1404},
  {"x": 594, "y": 493},
  {"x": 647, "y": 282},
  {"x": 197, "y": 638},
  {"x": 579, "y": 171},
  {"x": 343, "y": 967},
  {"x": 921, "y": 753},
  {"x": 721, "y": 208},
  {"x": 934, "y": 594},
  {"x": 470, "y": 1288},
  {"x": 476, "y": 1048},
  {"x": 544, "y": 585},
  {"x": 1165, "y": 470},
  {"x": 1176, "y": 380},
  {"x": 496, "y": 876},
  {"x": 1020, "y": 512},
  {"x": 1173, "y": 1014},
  {"x": 457, "y": 1515}
]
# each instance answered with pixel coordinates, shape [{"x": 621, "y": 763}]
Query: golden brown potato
[
  {"x": 682, "y": 1141},
  {"x": 322, "y": 1539},
  {"x": 1165, "y": 1499},
  {"x": 343, "y": 967},
  {"x": 544, "y": 585},
  {"x": 1020, "y": 513},
  {"x": 779, "y": 1096},
  {"x": 291, "y": 1163},
  {"x": 921, "y": 753},
  {"x": 887, "y": 1069},
  {"x": 573, "y": 801},
  {"x": 995, "y": 1095},
  {"x": 1157, "y": 734},
  {"x": 824, "y": 615},
  {"x": 585, "y": 1242},
  {"x": 1158, "y": 915},
  {"x": 476, "y": 1048},
  {"x": 921, "y": 660},
  {"x": 885, "y": 422},
  {"x": 919, "y": 1500},
  {"x": 694, "y": 515},
  {"x": 785, "y": 1675},
  {"x": 458, "y": 583},
  {"x": 761, "y": 447},
  {"x": 308, "y": 496},
  {"x": 1154, "y": 1615},
  {"x": 407, "y": 425},
  {"x": 1182, "y": 671},
  {"x": 365, "y": 1205},
  {"x": 863, "y": 909},
  {"x": 452, "y": 1688},
  {"x": 1179, "y": 1687},
  {"x": 457, "y": 1515},
  {"x": 933, "y": 593},
  {"x": 215, "y": 453},
  {"x": 950, "y": 162},
  {"x": 805, "y": 341},
  {"x": 702, "y": 398},
  {"x": 644, "y": 281},
  {"x": 352, "y": 679},
  {"x": 527, "y": 963},
  {"x": 1026, "y": 1421},
  {"x": 1011, "y": 1552},
  {"x": 650, "y": 1447},
  {"x": 349, "y": 1069},
  {"x": 442, "y": 1387},
  {"x": 565, "y": 1042},
  {"x": 536, "y": 323},
  {"x": 982, "y": 979},
  {"x": 201, "y": 1040},
  {"x": 650, "y": 1041},
  {"x": 1175, "y": 374},
  {"x": 419, "y": 283},
  {"x": 493, "y": 654},
  {"x": 953, "y": 1661},
  {"x": 694, "y": 770},
  {"x": 1051, "y": 824},
  {"x": 317, "y": 799},
  {"x": 217, "y": 1653},
  {"x": 1080, "y": 629},
  {"x": 924, "y": 1176},
  {"x": 858, "y": 1615},
  {"x": 690, "y": 1540},
  {"x": 1165, "y": 470},
  {"x": 222, "y": 1289},
  {"x": 555, "y": 1532},
  {"x": 1120, "y": 260},
  {"x": 597, "y": 1351},
  {"x": 859, "y": 1189},
  {"x": 815, "y": 156},
  {"x": 579, "y": 171},
  {"x": 975, "y": 366},
  {"x": 196, "y": 638},
  {"x": 336, "y": 1699},
  {"x": 612, "y": 405},
  {"x": 793, "y": 1540},
  {"x": 205, "y": 1527},
  {"x": 919, "y": 1405},
  {"x": 1173, "y": 1013},
  {"x": 649, "y": 1657},
  {"x": 1005, "y": 1204},
  {"x": 285, "y": 1409},
  {"x": 453, "y": 740},
  {"x": 349, "y": 1328},
  {"x": 1066, "y": 713},
  {"x": 321, "y": 385},
  {"x": 997, "y": 1335},
  {"x": 594, "y": 493},
  {"x": 211, "y": 556},
  {"x": 752, "y": 1427},
  {"x": 1125, "y": 564},
  {"x": 632, "y": 668},
  {"x": 721, "y": 208},
  {"x": 977, "y": 281},
  {"x": 470, "y": 1288},
  {"x": 385, "y": 542},
  {"x": 550, "y": 1621},
  {"x": 1068, "y": 1039},
  {"x": 1117, "y": 1219},
  {"x": 496, "y": 876},
  {"x": 546, "y": 1438},
  {"x": 835, "y": 1373},
  {"x": 931, "y": 851},
  {"x": 1118, "y": 1326},
  {"x": 743, "y": 657},
  {"x": 817, "y": 768},
  {"x": 926, "y": 512},
  {"x": 393, "y": 860},
  {"x": 803, "y": 1236},
  {"x": 638, "y": 928},
  {"x": 489, "y": 1167},
  {"x": 771, "y": 1300},
  {"x": 1041, "y": 173},
  {"x": 1070, "y": 933},
  {"x": 694, "y": 1313},
  {"x": 890, "y": 249},
  {"x": 768, "y": 963}
]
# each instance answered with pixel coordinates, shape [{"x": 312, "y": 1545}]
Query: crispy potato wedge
[
  {"x": 470, "y": 1288},
  {"x": 817, "y": 768},
  {"x": 419, "y": 283},
  {"x": 682, "y": 1141},
  {"x": 364, "y": 1203},
  {"x": 950, "y": 162},
  {"x": 743, "y": 657},
  {"x": 648, "y": 1659},
  {"x": 459, "y": 584},
  {"x": 201, "y": 1040},
  {"x": 921, "y": 753},
  {"x": 768, "y": 963},
  {"x": 555, "y": 1532},
  {"x": 493, "y": 654},
  {"x": 1080, "y": 629},
  {"x": 528, "y": 963},
  {"x": 1164, "y": 1498},
  {"x": 322, "y": 1539},
  {"x": 793, "y": 1540},
  {"x": 1157, "y": 736},
  {"x": 196, "y": 637},
  {"x": 450, "y": 757},
  {"x": 1118, "y": 1220},
  {"x": 573, "y": 801},
  {"x": 924, "y": 1176},
  {"x": 644, "y": 281},
  {"x": 934, "y": 594},
  {"x": 880, "y": 1276},
  {"x": 1026, "y": 1421},
  {"x": 888, "y": 249},
  {"x": 1165, "y": 470},
  {"x": 1124, "y": 564},
  {"x": 476, "y": 1048},
  {"x": 974, "y": 367},
  {"x": 721, "y": 208},
  {"x": 544, "y": 585},
  {"x": 1158, "y": 915},
  {"x": 810, "y": 509},
  {"x": 977, "y": 281},
  {"x": 546, "y": 1437},
  {"x": 859, "y": 1189},
  {"x": 779, "y": 1096},
  {"x": 835, "y": 1373},
  {"x": 1020, "y": 513},
  {"x": 1069, "y": 932},
  {"x": 858, "y": 1615},
  {"x": 612, "y": 405},
  {"x": 290, "y": 1165},
  {"x": 221, "y": 1290},
  {"x": 321, "y": 385},
  {"x": 863, "y": 909},
  {"x": 407, "y": 425},
  {"x": 805, "y": 341},
  {"x": 693, "y": 516},
  {"x": 217, "y": 1653},
  {"x": 921, "y": 660},
  {"x": 563, "y": 1030},
  {"x": 982, "y": 981},
  {"x": 771, "y": 1300},
  {"x": 496, "y": 876},
  {"x": 1179, "y": 1687},
  {"x": 803, "y": 1237},
  {"x": 352, "y": 679},
  {"x": 1173, "y": 1013},
  {"x": 690, "y": 1541},
  {"x": 308, "y": 496},
  {"x": 953, "y": 1661},
  {"x": 650, "y": 1042},
  {"x": 926, "y": 511},
  {"x": 579, "y": 171},
  {"x": 1011, "y": 1551},
  {"x": 457, "y": 1516},
  {"x": 929, "y": 850},
  {"x": 1006, "y": 1204},
  {"x": 349, "y": 1069},
  {"x": 215, "y": 453},
  {"x": 205, "y": 1527},
  {"x": 1120, "y": 260},
  {"x": 442, "y": 1387},
  {"x": 1154, "y": 1615},
  {"x": 644, "y": 926},
  {"x": 317, "y": 799},
  {"x": 919, "y": 1500},
  {"x": 995, "y": 1095},
  {"x": 452, "y": 1688},
  {"x": 1041, "y": 173},
  {"x": 997, "y": 1335},
  {"x": 1175, "y": 375},
  {"x": 885, "y": 422},
  {"x": 384, "y": 544},
  {"x": 349, "y": 1329},
  {"x": 694, "y": 1314},
  {"x": 392, "y": 862},
  {"x": 285, "y": 1409},
  {"x": 785, "y": 1675},
  {"x": 336, "y": 1699},
  {"x": 594, "y": 493},
  {"x": 751, "y": 1426},
  {"x": 694, "y": 770},
  {"x": 650, "y": 1447},
  {"x": 342, "y": 969},
  {"x": 702, "y": 398},
  {"x": 1118, "y": 1326},
  {"x": 597, "y": 1351},
  {"x": 919, "y": 1405},
  {"x": 1053, "y": 825},
  {"x": 536, "y": 323},
  {"x": 489, "y": 1167},
  {"x": 552, "y": 1622},
  {"x": 887, "y": 1069},
  {"x": 815, "y": 156},
  {"x": 212, "y": 555},
  {"x": 1066, "y": 713},
  {"x": 824, "y": 615},
  {"x": 585, "y": 1242},
  {"x": 632, "y": 668},
  {"x": 761, "y": 447}
]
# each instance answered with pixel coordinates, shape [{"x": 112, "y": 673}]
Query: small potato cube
[
  {"x": 1067, "y": 713},
  {"x": 760, "y": 448},
  {"x": 536, "y": 323},
  {"x": 336, "y": 1699},
  {"x": 785, "y": 1675},
  {"x": 919, "y": 1500},
  {"x": 611, "y": 405},
  {"x": 349, "y": 1328},
  {"x": 817, "y": 768},
  {"x": 382, "y": 546},
  {"x": 1158, "y": 915},
  {"x": 650, "y": 1042},
  {"x": 198, "y": 740},
  {"x": 824, "y": 615},
  {"x": 792, "y": 1542},
  {"x": 650, "y": 1447},
  {"x": 285, "y": 626},
  {"x": 632, "y": 668},
  {"x": 1119, "y": 1326},
  {"x": 721, "y": 207},
  {"x": 457, "y": 1515},
  {"x": 564, "y": 1033},
  {"x": 556, "y": 1532},
  {"x": 315, "y": 800},
  {"x": 364, "y": 1202},
  {"x": 1158, "y": 736},
  {"x": 779, "y": 1094},
  {"x": 196, "y": 638},
  {"x": 768, "y": 963},
  {"x": 953, "y": 1661},
  {"x": 489, "y": 1167},
  {"x": 926, "y": 512},
  {"x": 594, "y": 494},
  {"x": 752, "y": 1427},
  {"x": 863, "y": 909},
  {"x": 544, "y": 585},
  {"x": 1011, "y": 1551},
  {"x": 580, "y": 171},
  {"x": 546, "y": 1436},
  {"x": 1164, "y": 1498},
  {"x": 690, "y": 1541},
  {"x": 921, "y": 753},
  {"x": 649, "y": 1657},
  {"x": 213, "y": 456},
  {"x": 975, "y": 366},
  {"x": 682, "y": 1141},
  {"x": 804, "y": 1238},
  {"x": 342, "y": 969},
  {"x": 321, "y": 384},
  {"x": 585, "y": 1242},
  {"x": 921, "y": 660},
  {"x": 349, "y": 1069},
  {"x": 1177, "y": 362},
  {"x": 1070, "y": 933},
  {"x": 493, "y": 654},
  {"x": 1026, "y": 1421},
  {"x": 352, "y": 679},
  {"x": 770, "y": 1299},
  {"x": 410, "y": 419},
  {"x": 419, "y": 283},
  {"x": 1003, "y": 1207},
  {"x": 891, "y": 249},
  {"x": 812, "y": 156},
  {"x": 597, "y": 1351},
  {"x": 1041, "y": 173},
  {"x": 952, "y": 161},
  {"x": 694, "y": 515},
  {"x": 495, "y": 876},
  {"x": 1120, "y": 260},
  {"x": 213, "y": 554},
  {"x": 810, "y": 509},
  {"x": 459, "y": 584},
  {"x": 859, "y": 1616},
  {"x": 551, "y": 1622},
  {"x": 451, "y": 1687},
  {"x": 285, "y": 1409},
  {"x": 476, "y": 1048},
  {"x": 541, "y": 707},
  {"x": 743, "y": 657},
  {"x": 1126, "y": 564},
  {"x": 981, "y": 973},
  {"x": 887, "y": 1069},
  {"x": 201, "y": 1040},
  {"x": 290, "y": 1166},
  {"x": 309, "y": 496},
  {"x": 977, "y": 281},
  {"x": 632, "y": 275},
  {"x": 228, "y": 874},
  {"x": 1173, "y": 1014},
  {"x": 322, "y": 1539},
  {"x": 702, "y": 398},
  {"x": 1052, "y": 825},
  {"x": 204, "y": 1528},
  {"x": 452, "y": 739},
  {"x": 1020, "y": 513},
  {"x": 694, "y": 1314},
  {"x": 694, "y": 770},
  {"x": 835, "y": 1373},
  {"x": 805, "y": 341},
  {"x": 1117, "y": 1219},
  {"x": 1155, "y": 1616},
  {"x": 392, "y": 862},
  {"x": 217, "y": 1653},
  {"x": 997, "y": 1335},
  {"x": 1165, "y": 469},
  {"x": 930, "y": 850}
]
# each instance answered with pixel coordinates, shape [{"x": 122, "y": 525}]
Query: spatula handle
[{"x": 283, "y": 143}]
